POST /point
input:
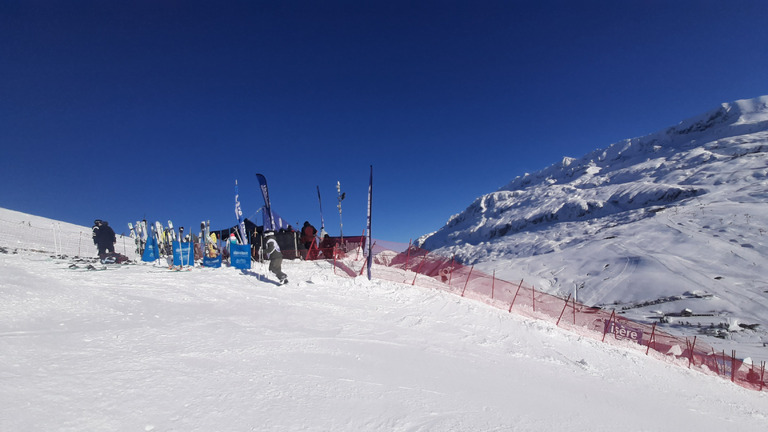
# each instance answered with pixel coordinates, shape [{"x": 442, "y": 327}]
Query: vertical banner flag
[
  {"x": 370, "y": 246},
  {"x": 268, "y": 225},
  {"x": 239, "y": 214},
  {"x": 278, "y": 222}
]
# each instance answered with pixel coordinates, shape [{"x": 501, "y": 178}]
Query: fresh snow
[
  {"x": 143, "y": 348},
  {"x": 649, "y": 226}
]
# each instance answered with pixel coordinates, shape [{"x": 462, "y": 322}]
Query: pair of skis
[
  {"x": 139, "y": 234},
  {"x": 209, "y": 241},
  {"x": 167, "y": 236},
  {"x": 185, "y": 259},
  {"x": 164, "y": 236}
]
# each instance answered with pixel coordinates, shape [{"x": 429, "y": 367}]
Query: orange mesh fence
[{"x": 420, "y": 267}]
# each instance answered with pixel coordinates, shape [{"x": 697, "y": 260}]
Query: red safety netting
[{"x": 417, "y": 266}]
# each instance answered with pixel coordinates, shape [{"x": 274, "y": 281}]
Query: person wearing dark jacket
[
  {"x": 95, "y": 231},
  {"x": 327, "y": 246},
  {"x": 275, "y": 257},
  {"x": 308, "y": 233},
  {"x": 104, "y": 237}
]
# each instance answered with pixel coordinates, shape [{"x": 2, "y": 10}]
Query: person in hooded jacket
[
  {"x": 308, "y": 233},
  {"x": 275, "y": 257},
  {"x": 104, "y": 237}
]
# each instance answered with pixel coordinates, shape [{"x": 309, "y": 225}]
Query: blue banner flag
[
  {"x": 212, "y": 262},
  {"x": 265, "y": 192},
  {"x": 183, "y": 254},
  {"x": 151, "y": 251},
  {"x": 240, "y": 256},
  {"x": 278, "y": 222}
]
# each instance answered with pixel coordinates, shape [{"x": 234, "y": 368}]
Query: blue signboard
[{"x": 240, "y": 256}]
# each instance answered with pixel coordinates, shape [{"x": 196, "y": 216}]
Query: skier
[
  {"x": 275, "y": 257},
  {"x": 104, "y": 238}
]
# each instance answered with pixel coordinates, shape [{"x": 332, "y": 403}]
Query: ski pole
[
  {"x": 322, "y": 221},
  {"x": 55, "y": 248},
  {"x": 341, "y": 225}
]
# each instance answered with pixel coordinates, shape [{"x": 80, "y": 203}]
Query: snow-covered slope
[
  {"x": 654, "y": 225},
  {"x": 143, "y": 348},
  {"x": 22, "y": 231}
]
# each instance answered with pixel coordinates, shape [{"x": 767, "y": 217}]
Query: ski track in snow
[{"x": 144, "y": 348}]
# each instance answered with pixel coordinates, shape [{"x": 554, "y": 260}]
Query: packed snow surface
[{"x": 143, "y": 348}]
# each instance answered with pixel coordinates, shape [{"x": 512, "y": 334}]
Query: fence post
[
  {"x": 574, "y": 310},
  {"x": 733, "y": 365},
  {"x": 467, "y": 282},
  {"x": 334, "y": 257},
  {"x": 610, "y": 320},
  {"x": 651, "y": 339},
  {"x": 408, "y": 255},
  {"x": 717, "y": 366},
  {"x": 690, "y": 351},
  {"x": 563, "y": 311},
  {"x": 493, "y": 283},
  {"x": 762, "y": 374},
  {"x": 309, "y": 252},
  {"x": 725, "y": 363},
  {"x": 419, "y": 268},
  {"x": 515, "y": 297},
  {"x": 533, "y": 296}
]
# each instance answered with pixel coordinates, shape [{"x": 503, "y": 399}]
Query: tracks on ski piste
[{"x": 88, "y": 268}]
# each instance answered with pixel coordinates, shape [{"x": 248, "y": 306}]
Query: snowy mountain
[{"x": 652, "y": 226}]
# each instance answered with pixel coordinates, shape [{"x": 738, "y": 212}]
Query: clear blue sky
[{"x": 128, "y": 109}]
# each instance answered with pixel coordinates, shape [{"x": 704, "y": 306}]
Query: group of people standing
[{"x": 104, "y": 238}]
